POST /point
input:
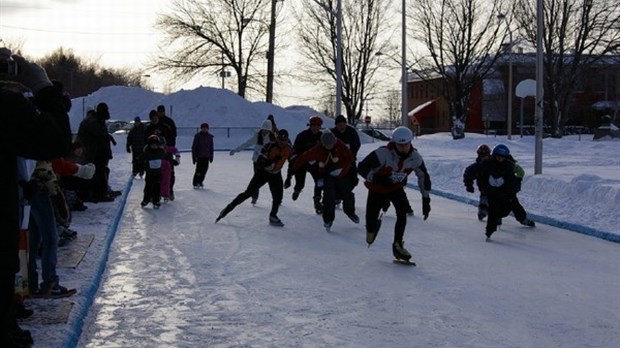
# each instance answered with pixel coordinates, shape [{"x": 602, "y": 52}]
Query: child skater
[{"x": 153, "y": 157}]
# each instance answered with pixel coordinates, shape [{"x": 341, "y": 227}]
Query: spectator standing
[
  {"x": 135, "y": 146},
  {"x": 202, "y": 155},
  {"x": 171, "y": 137},
  {"x": 31, "y": 108}
]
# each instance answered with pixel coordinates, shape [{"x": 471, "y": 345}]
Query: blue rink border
[
  {"x": 609, "y": 236},
  {"x": 77, "y": 324}
]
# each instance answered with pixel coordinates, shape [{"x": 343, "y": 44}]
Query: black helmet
[{"x": 483, "y": 150}]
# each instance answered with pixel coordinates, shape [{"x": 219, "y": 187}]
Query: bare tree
[
  {"x": 362, "y": 22},
  {"x": 577, "y": 35},
  {"x": 393, "y": 104},
  {"x": 204, "y": 36},
  {"x": 462, "y": 42}
]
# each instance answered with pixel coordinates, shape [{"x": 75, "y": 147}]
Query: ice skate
[
  {"x": 275, "y": 221},
  {"x": 399, "y": 252},
  {"x": 296, "y": 195},
  {"x": 354, "y": 218},
  {"x": 328, "y": 226},
  {"x": 528, "y": 222},
  {"x": 223, "y": 213}
]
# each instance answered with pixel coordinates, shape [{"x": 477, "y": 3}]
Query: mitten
[
  {"x": 470, "y": 189},
  {"x": 85, "y": 171},
  {"x": 31, "y": 75},
  {"x": 426, "y": 206},
  {"x": 211, "y": 160}
]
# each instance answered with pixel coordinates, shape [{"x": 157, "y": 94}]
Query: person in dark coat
[
  {"x": 348, "y": 134},
  {"x": 156, "y": 127},
  {"x": 135, "y": 146},
  {"x": 171, "y": 136},
  {"x": 304, "y": 141},
  {"x": 496, "y": 177},
  {"x": 335, "y": 161},
  {"x": 153, "y": 157},
  {"x": 31, "y": 109},
  {"x": 202, "y": 154},
  {"x": 470, "y": 175},
  {"x": 93, "y": 134}
]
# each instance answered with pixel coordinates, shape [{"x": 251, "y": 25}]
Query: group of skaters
[{"x": 330, "y": 157}]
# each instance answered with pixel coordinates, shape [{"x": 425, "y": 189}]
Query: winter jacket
[
  {"x": 32, "y": 128},
  {"x": 258, "y": 140},
  {"x": 471, "y": 173},
  {"x": 305, "y": 140},
  {"x": 497, "y": 178},
  {"x": 273, "y": 156},
  {"x": 202, "y": 146},
  {"x": 93, "y": 134},
  {"x": 153, "y": 159},
  {"x": 335, "y": 162},
  {"x": 349, "y": 137},
  {"x": 160, "y": 129},
  {"x": 385, "y": 170},
  {"x": 171, "y": 135},
  {"x": 136, "y": 138}
]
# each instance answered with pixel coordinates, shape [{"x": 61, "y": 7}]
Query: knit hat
[
  {"x": 283, "y": 133},
  {"x": 339, "y": 119},
  {"x": 328, "y": 139},
  {"x": 102, "y": 111},
  {"x": 266, "y": 125},
  {"x": 137, "y": 119},
  {"x": 204, "y": 125}
]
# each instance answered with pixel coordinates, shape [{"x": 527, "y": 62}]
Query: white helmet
[{"x": 402, "y": 135}]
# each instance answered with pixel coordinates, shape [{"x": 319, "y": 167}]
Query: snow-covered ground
[{"x": 174, "y": 278}]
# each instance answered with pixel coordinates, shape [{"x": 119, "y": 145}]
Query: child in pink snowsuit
[{"x": 167, "y": 173}]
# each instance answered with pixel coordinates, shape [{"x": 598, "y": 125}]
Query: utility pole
[
  {"x": 404, "y": 75},
  {"x": 270, "y": 52}
]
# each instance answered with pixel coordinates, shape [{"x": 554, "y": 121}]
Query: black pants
[
  {"x": 202, "y": 167},
  {"x": 499, "y": 207},
  {"x": 137, "y": 164},
  {"x": 99, "y": 181},
  {"x": 300, "y": 180},
  {"x": 260, "y": 178},
  {"x": 152, "y": 187},
  {"x": 337, "y": 188},
  {"x": 375, "y": 203}
]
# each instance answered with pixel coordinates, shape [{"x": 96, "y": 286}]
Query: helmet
[
  {"x": 501, "y": 150},
  {"x": 152, "y": 139},
  {"x": 483, "y": 150},
  {"x": 315, "y": 121},
  {"x": 328, "y": 139},
  {"x": 402, "y": 135}
]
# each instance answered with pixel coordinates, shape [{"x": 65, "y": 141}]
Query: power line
[{"x": 74, "y": 32}]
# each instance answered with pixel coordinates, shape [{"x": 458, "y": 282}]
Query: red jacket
[{"x": 339, "y": 157}]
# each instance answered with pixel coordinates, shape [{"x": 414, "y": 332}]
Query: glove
[
  {"x": 335, "y": 172},
  {"x": 397, "y": 177},
  {"x": 232, "y": 152},
  {"x": 211, "y": 160},
  {"x": 470, "y": 189},
  {"x": 287, "y": 182},
  {"x": 85, "y": 171},
  {"x": 128, "y": 149},
  {"x": 31, "y": 75},
  {"x": 426, "y": 206},
  {"x": 193, "y": 160}
]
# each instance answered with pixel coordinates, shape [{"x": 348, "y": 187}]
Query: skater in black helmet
[{"x": 386, "y": 171}]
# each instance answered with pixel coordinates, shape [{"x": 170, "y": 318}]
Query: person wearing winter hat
[
  {"x": 386, "y": 171},
  {"x": 36, "y": 110},
  {"x": 262, "y": 136},
  {"x": 202, "y": 155},
  {"x": 267, "y": 170},
  {"x": 334, "y": 160},
  {"x": 304, "y": 141},
  {"x": 135, "y": 145},
  {"x": 152, "y": 158},
  {"x": 171, "y": 136}
]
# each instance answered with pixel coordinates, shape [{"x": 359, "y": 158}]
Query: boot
[
  {"x": 223, "y": 213},
  {"x": 400, "y": 252},
  {"x": 275, "y": 221},
  {"x": 318, "y": 207}
]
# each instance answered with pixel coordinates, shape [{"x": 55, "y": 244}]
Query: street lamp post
[{"x": 501, "y": 16}]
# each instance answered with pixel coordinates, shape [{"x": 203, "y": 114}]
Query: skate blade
[{"x": 404, "y": 262}]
